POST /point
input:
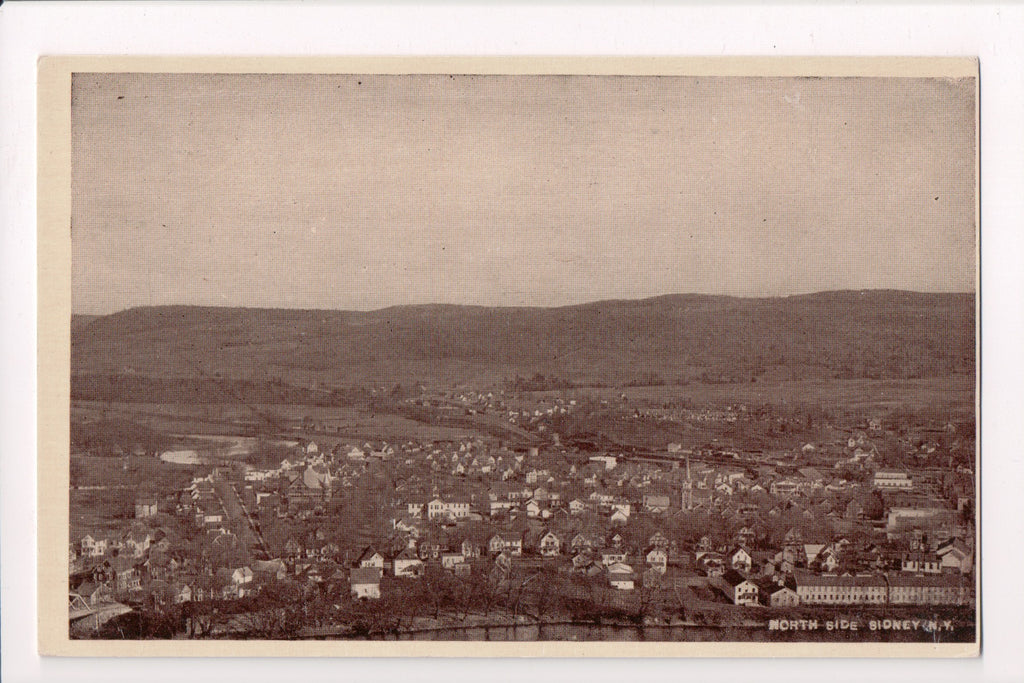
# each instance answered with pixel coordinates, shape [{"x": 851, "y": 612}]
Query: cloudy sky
[{"x": 359, "y": 192}]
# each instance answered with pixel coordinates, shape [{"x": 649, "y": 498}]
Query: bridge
[{"x": 84, "y": 618}]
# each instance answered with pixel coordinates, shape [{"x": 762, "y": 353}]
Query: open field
[
  {"x": 100, "y": 512},
  {"x": 236, "y": 420},
  {"x": 145, "y": 474},
  {"x": 954, "y": 392}
]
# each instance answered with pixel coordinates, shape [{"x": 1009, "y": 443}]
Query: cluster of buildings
[
  {"x": 458, "y": 502},
  {"x": 752, "y": 529}
]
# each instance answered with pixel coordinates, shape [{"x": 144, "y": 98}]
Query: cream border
[{"x": 54, "y": 344}]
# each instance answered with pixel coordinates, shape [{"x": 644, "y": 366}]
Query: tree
[
  {"x": 435, "y": 588},
  {"x": 649, "y": 595},
  {"x": 872, "y": 505}
]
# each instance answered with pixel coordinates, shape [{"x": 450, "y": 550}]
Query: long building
[
  {"x": 876, "y": 589},
  {"x": 928, "y": 590},
  {"x": 827, "y": 589}
]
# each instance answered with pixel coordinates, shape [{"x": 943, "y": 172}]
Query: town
[{"x": 530, "y": 505}]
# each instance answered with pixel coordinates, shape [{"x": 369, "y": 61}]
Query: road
[{"x": 232, "y": 502}]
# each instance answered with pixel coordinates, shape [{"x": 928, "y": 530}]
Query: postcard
[{"x": 508, "y": 356}]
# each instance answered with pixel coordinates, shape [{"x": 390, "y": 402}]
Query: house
[
  {"x": 737, "y": 588},
  {"x": 275, "y": 568},
  {"x": 509, "y": 542},
  {"x": 121, "y": 573},
  {"x": 370, "y": 558},
  {"x": 712, "y": 564},
  {"x": 441, "y": 509},
  {"x": 182, "y": 593},
  {"x": 811, "y": 551},
  {"x": 449, "y": 560},
  {"x": 580, "y": 542},
  {"x": 611, "y": 556},
  {"x": 793, "y": 537},
  {"x": 137, "y": 542},
  {"x": 145, "y": 507},
  {"x": 500, "y": 506},
  {"x": 782, "y": 596},
  {"x": 242, "y": 575},
  {"x": 619, "y": 517},
  {"x": 581, "y": 561},
  {"x": 93, "y": 547},
  {"x": 656, "y": 504},
  {"x": 921, "y": 563},
  {"x": 429, "y": 549},
  {"x": 659, "y": 540},
  {"x": 623, "y": 506},
  {"x": 620, "y": 576},
  {"x": 549, "y": 545},
  {"x": 577, "y": 506},
  {"x": 315, "y": 484},
  {"x": 746, "y": 535},
  {"x": 954, "y": 554},
  {"x": 657, "y": 558},
  {"x": 408, "y": 564},
  {"x": 739, "y": 559},
  {"x": 470, "y": 549},
  {"x": 827, "y": 559},
  {"x": 365, "y": 582}
]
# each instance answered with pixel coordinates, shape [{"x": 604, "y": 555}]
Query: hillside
[{"x": 871, "y": 334}]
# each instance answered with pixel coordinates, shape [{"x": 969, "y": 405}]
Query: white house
[
  {"x": 550, "y": 545},
  {"x": 449, "y": 560},
  {"x": 738, "y": 589},
  {"x": 657, "y": 558},
  {"x": 365, "y": 582},
  {"x": 370, "y": 558},
  {"x": 618, "y": 517},
  {"x": 620, "y": 576},
  {"x": 740, "y": 560},
  {"x": 407, "y": 564},
  {"x": 577, "y": 506}
]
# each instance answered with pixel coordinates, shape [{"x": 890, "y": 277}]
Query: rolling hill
[{"x": 847, "y": 334}]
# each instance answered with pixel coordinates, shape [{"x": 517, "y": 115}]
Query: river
[
  {"x": 607, "y": 632},
  {"x": 227, "y": 446},
  {"x": 186, "y": 457}
]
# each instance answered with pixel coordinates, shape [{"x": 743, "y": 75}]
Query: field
[
  {"x": 231, "y": 419},
  {"x": 102, "y": 493},
  {"x": 954, "y": 393}
]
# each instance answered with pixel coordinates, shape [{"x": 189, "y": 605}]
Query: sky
[{"x": 367, "y": 191}]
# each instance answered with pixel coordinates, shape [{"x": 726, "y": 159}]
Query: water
[
  {"x": 228, "y": 447},
  {"x": 182, "y": 457},
  {"x": 623, "y": 633}
]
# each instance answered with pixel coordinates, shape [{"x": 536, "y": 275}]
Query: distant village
[{"x": 824, "y": 524}]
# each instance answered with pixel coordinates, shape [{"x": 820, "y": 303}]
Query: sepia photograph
[{"x": 589, "y": 354}]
